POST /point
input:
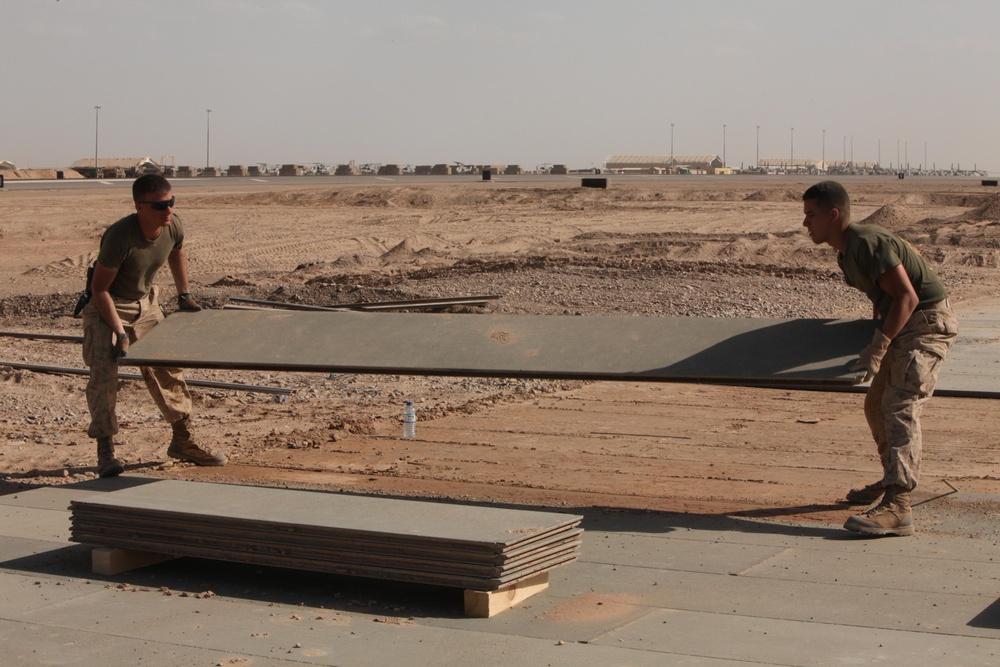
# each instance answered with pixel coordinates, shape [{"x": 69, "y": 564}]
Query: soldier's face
[
  {"x": 156, "y": 209},
  {"x": 820, "y": 222}
]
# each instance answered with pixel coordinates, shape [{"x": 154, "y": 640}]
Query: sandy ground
[{"x": 726, "y": 247}]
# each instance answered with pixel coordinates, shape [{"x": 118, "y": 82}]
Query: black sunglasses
[{"x": 161, "y": 205}]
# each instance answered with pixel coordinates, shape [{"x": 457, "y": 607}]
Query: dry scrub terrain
[{"x": 725, "y": 247}]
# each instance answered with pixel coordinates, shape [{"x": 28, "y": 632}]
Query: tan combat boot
[
  {"x": 892, "y": 516},
  {"x": 182, "y": 447},
  {"x": 107, "y": 464}
]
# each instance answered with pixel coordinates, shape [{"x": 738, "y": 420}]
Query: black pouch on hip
[{"x": 85, "y": 297}]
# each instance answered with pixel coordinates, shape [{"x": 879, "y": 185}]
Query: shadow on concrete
[
  {"x": 988, "y": 618},
  {"x": 750, "y": 521},
  {"x": 34, "y": 479},
  {"x": 193, "y": 577},
  {"x": 800, "y": 349}
]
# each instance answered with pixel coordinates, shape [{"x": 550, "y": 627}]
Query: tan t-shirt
[{"x": 125, "y": 248}]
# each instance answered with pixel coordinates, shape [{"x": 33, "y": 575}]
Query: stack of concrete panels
[{"x": 474, "y": 548}]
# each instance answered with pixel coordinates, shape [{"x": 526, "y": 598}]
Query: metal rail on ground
[
  {"x": 441, "y": 302},
  {"x": 40, "y": 368}
]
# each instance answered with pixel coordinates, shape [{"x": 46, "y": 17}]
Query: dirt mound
[
  {"x": 891, "y": 216},
  {"x": 232, "y": 281},
  {"x": 772, "y": 195},
  {"x": 401, "y": 252},
  {"x": 913, "y": 199},
  {"x": 987, "y": 211},
  {"x": 374, "y": 197}
]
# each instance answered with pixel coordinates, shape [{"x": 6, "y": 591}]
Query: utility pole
[
  {"x": 723, "y": 144},
  {"x": 97, "y": 132},
  {"x": 758, "y": 145},
  {"x": 208, "y": 138}
]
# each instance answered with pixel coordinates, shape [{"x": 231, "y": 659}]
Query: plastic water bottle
[{"x": 409, "y": 420}]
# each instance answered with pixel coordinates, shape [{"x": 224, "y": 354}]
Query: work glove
[
  {"x": 186, "y": 302},
  {"x": 121, "y": 345},
  {"x": 871, "y": 357}
]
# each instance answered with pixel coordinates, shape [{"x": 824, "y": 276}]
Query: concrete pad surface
[
  {"x": 744, "y": 639},
  {"x": 649, "y": 589}
]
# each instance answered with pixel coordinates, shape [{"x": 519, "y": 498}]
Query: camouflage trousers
[
  {"x": 902, "y": 386},
  {"x": 165, "y": 385}
]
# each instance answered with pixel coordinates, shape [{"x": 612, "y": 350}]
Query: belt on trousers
[{"x": 929, "y": 306}]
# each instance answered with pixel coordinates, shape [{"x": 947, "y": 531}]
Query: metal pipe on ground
[
  {"x": 39, "y": 368},
  {"x": 377, "y": 305},
  {"x": 41, "y": 336}
]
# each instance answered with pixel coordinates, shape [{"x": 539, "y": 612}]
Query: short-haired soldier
[
  {"x": 123, "y": 307},
  {"x": 917, "y": 327}
]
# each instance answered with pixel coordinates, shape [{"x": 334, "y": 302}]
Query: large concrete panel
[{"x": 603, "y": 348}]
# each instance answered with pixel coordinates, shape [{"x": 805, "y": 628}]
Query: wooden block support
[
  {"x": 486, "y": 604},
  {"x": 109, "y": 560}
]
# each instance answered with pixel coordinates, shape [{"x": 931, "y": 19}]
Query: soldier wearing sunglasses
[{"x": 123, "y": 307}]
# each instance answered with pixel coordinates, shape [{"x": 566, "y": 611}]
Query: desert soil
[{"x": 662, "y": 247}]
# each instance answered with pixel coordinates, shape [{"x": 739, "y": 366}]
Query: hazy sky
[{"x": 502, "y": 82}]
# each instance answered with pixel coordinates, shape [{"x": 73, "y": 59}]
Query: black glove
[
  {"x": 121, "y": 345},
  {"x": 186, "y": 302}
]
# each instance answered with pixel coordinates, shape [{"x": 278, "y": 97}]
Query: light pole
[
  {"x": 791, "y": 155},
  {"x": 671, "y": 144},
  {"x": 723, "y": 144},
  {"x": 208, "y": 138},
  {"x": 824, "y": 150},
  {"x": 758, "y": 145},
  {"x": 97, "y": 132}
]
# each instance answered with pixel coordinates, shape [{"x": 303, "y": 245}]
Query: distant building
[
  {"x": 663, "y": 164},
  {"x": 117, "y": 167},
  {"x": 805, "y": 166}
]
